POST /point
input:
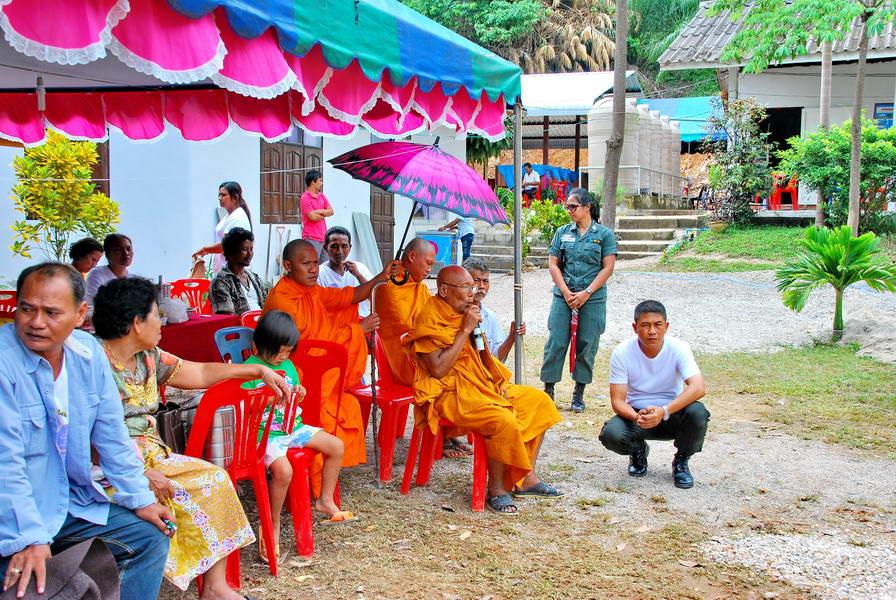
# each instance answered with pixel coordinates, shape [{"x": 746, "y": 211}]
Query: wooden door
[{"x": 382, "y": 218}]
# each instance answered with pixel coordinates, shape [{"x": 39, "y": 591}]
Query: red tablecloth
[{"x": 194, "y": 340}]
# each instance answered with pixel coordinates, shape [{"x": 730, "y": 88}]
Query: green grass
[
  {"x": 691, "y": 264},
  {"x": 823, "y": 392},
  {"x": 775, "y": 244}
]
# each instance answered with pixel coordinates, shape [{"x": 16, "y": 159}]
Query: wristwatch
[
  {"x": 589, "y": 290},
  {"x": 665, "y": 412}
]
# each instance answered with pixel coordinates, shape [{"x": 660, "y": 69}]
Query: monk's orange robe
[
  {"x": 328, "y": 314},
  {"x": 476, "y": 394},
  {"x": 398, "y": 307}
]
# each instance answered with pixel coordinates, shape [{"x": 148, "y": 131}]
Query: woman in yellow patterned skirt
[{"x": 210, "y": 520}]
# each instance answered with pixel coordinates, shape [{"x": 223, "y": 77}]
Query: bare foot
[{"x": 326, "y": 506}]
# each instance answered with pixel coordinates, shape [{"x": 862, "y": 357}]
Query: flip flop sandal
[
  {"x": 340, "y": 518},
  {"x": 499, "y": 504},
  {"x": 462, "y": 446},
  {"x": 263, "y": 551},
  {"x": 539, "y": 490},
  {"x": 449, "y": 448}
]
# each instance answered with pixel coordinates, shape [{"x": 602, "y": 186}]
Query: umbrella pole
[
  {"x": 517, "y": 240},
  {"x": 404, "y": 236}
]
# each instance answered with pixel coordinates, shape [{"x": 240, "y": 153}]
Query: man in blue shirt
[
  {"x": 57, "y": 402},
  {"x": 465, "y": 232}
]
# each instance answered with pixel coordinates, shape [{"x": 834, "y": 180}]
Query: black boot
[
  {"x": 681, "y": 473},
  {"x": 549, "y": 389},
  {"x": 637, "y": 460},
  {"x": 578, "y": 398}
]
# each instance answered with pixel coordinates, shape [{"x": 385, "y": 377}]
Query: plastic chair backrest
[
  {"x": 194, "y": 292},
  {"x": 314, "y": 359},
  {"x": 248, "y": 409},
  {"x": 8, "y": 302},
  {"x": 386, "y": 379},
  {"x": 234, "y": 344},
  {"x": 250, "y": 318}
]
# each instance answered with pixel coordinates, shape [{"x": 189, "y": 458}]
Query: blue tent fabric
[
  {"x": 692, "y": 114},
  {"x": 555, "y": 173}
]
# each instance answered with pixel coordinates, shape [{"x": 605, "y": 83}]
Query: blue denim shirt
[{"x": 37, "y": 491}]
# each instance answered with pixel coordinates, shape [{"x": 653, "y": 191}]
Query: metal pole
[
  {"x": 517, "y": 238},
  {"x": 578, "y": 152}
]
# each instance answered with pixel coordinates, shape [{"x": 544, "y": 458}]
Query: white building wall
[
  {"x": 168, "y": 195},
  {"x": 800, "y": 86}
]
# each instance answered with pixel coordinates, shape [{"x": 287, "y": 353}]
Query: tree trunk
[
  {"x": 614, "y": 143},
  {"x": 838, "y": 315},
  {"x": 855, "y": 155},
  {"x": 824, "y": 117}
]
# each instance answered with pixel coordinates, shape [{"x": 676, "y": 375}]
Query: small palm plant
[{"x": 834, "y": 256}]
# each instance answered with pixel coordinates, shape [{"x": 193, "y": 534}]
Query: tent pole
[{"x": 517, "y": 238}]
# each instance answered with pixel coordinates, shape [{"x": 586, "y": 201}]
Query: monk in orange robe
[
  {"x": 330, "y": 314},
  {"x": 399, "y": 305},
  {"x": 471, "y": 389}
]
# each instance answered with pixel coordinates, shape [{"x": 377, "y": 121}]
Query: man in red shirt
[{"x": 315, "y": 209}]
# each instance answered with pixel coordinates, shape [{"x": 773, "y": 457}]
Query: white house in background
[
  {"x": 167, "y": 192},
  {"x": 791, "y": 89}
]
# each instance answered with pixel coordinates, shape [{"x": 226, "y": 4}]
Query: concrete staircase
[
  {"x": 649, "y": 232},
  {"x": 494, "y": 247}
]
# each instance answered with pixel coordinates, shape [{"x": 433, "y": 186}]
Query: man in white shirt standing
[
  {"x": 655, "y": 385},
  {"x": 338, "y": 271}
]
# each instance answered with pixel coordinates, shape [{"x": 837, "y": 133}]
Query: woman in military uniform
[{"x": 581, "y": 259}]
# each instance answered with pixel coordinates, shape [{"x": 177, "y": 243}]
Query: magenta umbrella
[{"x": 425, "y": 174}]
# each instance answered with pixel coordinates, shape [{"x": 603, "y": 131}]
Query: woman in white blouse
[{"x": 230, "y": 196}]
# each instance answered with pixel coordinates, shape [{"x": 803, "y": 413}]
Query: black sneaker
[
  {"x": 681, "y": 474},
  {"x": 549, "y": 390},
  {"x": 637, "y": 461},
  {"x": 578, "y": 398}
]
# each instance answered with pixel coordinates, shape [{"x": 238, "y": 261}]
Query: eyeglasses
[
  {"x": 571, "y": 207},
  {"x": 469, "y": 289}
]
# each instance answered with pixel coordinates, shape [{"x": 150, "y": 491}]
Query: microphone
[{"x": 477, "y": 339}]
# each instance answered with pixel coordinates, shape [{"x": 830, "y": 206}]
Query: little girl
[{"x": 274, "y": 339}]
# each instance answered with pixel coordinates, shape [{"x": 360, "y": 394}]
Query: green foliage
[
  {"x": 821, "y": 161},
  {"x": 480, "y": 150},
  {"x": 57, "y": 199},
  {"x": 739, "y": 169},
  {"x": 492, "y": 23},
  {"x": 546, "y": 218},
  {"x": 751, "y": 242},
  {"x": 775, "y": 30},
  {"x": 837, "y": 258}
]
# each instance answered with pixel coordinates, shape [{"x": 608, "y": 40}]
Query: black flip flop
[{"x": 498, "y": 503}]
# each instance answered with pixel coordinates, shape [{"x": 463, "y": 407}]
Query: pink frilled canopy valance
[{"x": 262, "y": 88}]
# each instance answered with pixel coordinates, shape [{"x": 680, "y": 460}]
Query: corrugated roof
[
  {"x": 564, "y": 94},
  {"x": 701, "y": 42}
]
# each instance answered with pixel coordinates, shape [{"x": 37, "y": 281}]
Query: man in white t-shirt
[
  {"x": 499, "y": 344},
  {"x": 338, "y": 271},
  {"x": 655, "y": 385},
  {"x": 531, "y": 181}
]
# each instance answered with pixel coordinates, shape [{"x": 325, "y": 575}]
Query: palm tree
[
  {"x": 838, "y": 258},
  {"x": 576, "y": 35}
]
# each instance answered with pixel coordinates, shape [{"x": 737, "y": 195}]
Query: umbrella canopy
[
  {"x": 329, "y": 67},
  {"x": 425, "y": 174}
]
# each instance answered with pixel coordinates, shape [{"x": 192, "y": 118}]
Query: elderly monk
[
  {"x": 330, "y": 314},
  {"x": 473, "y": 390},
  {"x": 399, "y": 305}
]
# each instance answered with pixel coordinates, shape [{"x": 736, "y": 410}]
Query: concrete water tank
[
  {"x": 675, "y": 156},
  {"x": 644, "y": 134},
  {"x": 655, "y": 152},
  {"x": 600, "y": 124},
  {"x": 665, "y": 178}
]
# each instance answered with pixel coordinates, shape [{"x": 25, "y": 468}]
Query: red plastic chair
[
  {"x": 314, "y": 358},
  {"x": 250, "y": 318},
  {"x": 779, "y": 187},
  {"x": 8, "y": 303},
  {"x": 248, "y": 451},
  {"x": 429, "y": 445},
  {"x": 560, "y": 188},
  {"x": 194, "y": 292}
]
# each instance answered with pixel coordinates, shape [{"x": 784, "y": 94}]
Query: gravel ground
[{"x": 714, "y": 312}]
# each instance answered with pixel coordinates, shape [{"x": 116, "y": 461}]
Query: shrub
[
  {"x": 57, "y": 198},
  {"x": 821, "y": 161}
]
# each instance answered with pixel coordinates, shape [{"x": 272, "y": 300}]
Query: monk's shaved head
[
  {"x": 455, "y": 287},
  {"x": 419, "y": 256},
  {"x": 454, "y": 275},
  {"x": 290, "y": 250}
]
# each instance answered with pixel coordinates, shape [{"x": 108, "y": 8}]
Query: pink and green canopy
[{"x": 204, "y": 66}]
